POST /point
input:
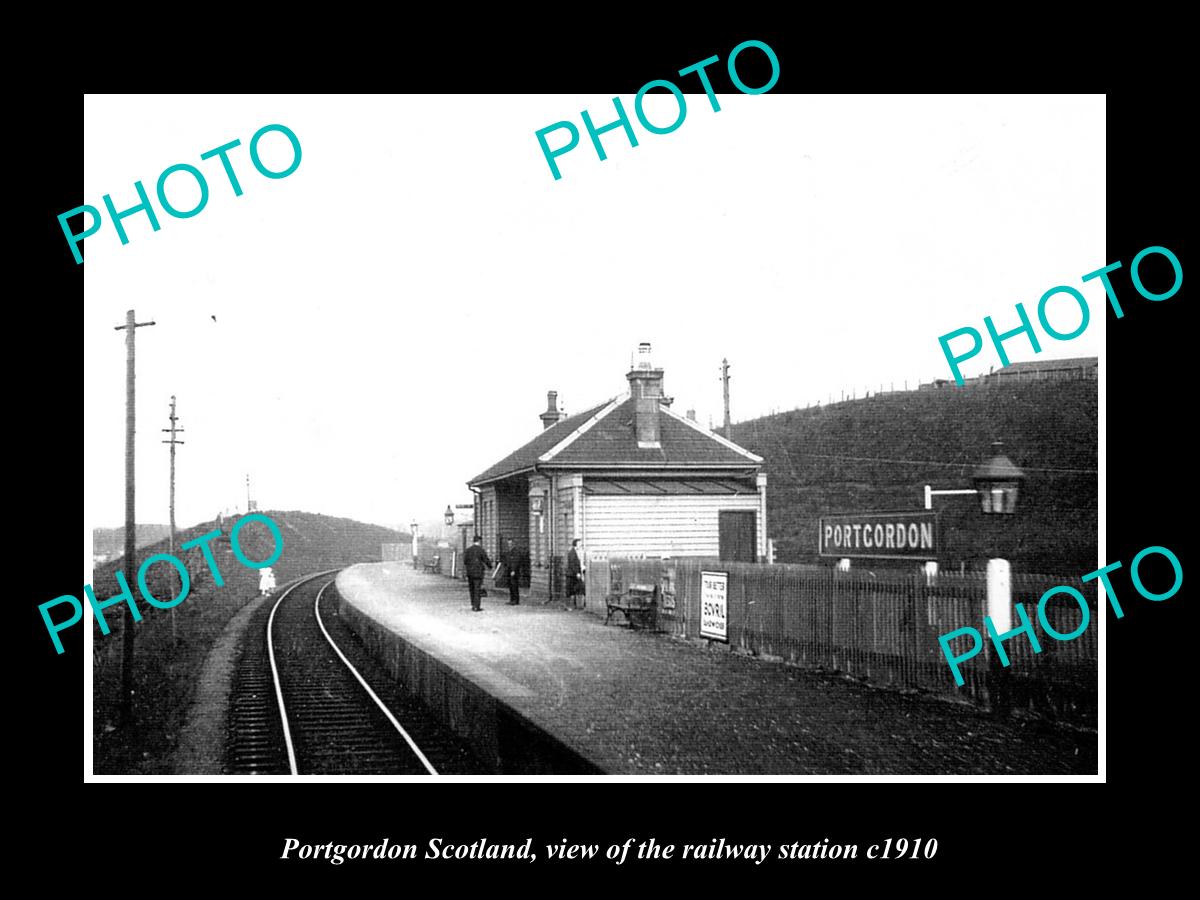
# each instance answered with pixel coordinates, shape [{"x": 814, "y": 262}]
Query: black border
[{"x": 210, "y": 841}]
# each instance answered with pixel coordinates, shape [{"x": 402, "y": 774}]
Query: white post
[
  {"x": 930, "y": 569},
  {"x": 928, "y": 497},
  {"x": 763, "y": 549},
  {"x": 999, "y": 594}
]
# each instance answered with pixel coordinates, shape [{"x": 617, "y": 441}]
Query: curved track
[{"x": 308, "y": 700}]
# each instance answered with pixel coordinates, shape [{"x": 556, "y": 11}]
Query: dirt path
[{"x": 201, "y": 749}]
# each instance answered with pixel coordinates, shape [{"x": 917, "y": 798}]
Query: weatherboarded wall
[{"x": 670, "y": 525}]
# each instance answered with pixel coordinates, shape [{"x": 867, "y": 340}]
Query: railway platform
[{"x": 542, "y": 689}]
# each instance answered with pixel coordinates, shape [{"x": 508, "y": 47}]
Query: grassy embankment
[
  {"x": 166, "y": 667},
  {"x": 817, "y": 463}
]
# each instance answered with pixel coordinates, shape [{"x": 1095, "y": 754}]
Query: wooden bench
[
  {"x": 639, "y": 604},
  {"x": 434, "y": 565}
]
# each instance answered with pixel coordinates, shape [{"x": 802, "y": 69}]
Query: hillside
[
  {"x": 877, "y": 454},
  {"x": 110, "y": 542},
  {"x": 166, "y": 665}
]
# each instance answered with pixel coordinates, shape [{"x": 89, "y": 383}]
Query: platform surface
[{"x": 640, "y": 703}]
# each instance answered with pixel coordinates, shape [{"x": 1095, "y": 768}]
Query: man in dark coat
[
  {"x": 574, "y": 574},
  {"x": 476, "y": 562},
  {"x": 512, "y": 563}
]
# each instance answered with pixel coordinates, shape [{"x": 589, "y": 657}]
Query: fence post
[{"x": 999, "y": 608}]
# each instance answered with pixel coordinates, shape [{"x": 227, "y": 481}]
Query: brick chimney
[
  {"x": 551, "y": 415},
  {"x": 646, "y": 389}
]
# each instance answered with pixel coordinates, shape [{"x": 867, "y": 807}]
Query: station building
[{"x": 628, "y": 477}]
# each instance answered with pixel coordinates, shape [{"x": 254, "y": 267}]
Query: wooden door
[{"x": 736, "y": 536}]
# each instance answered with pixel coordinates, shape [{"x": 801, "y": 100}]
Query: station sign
[
  {"x": 714, "y": 608},
  {"x": 879, "y": 535}
]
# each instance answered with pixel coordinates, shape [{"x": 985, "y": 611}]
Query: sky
[{"x": 368, "y": 333}]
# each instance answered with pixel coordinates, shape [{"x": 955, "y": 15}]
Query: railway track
[{"x": 308, "y": 700}]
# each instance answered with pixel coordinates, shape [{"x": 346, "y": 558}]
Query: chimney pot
[
  {"x": 646, "y": 389},
  {"x": 551, "y": 416},
  {"x": 643, "y": 356}
]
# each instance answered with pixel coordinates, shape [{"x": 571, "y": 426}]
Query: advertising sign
[{"x": 714, "y": 617}]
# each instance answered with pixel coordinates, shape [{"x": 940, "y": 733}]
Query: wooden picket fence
[{"x": 882, "y": 627}]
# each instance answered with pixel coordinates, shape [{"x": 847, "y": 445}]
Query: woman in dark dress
[{"x": 575, "y": 588}]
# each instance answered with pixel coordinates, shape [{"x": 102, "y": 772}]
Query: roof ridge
[
  {"x": 711, "y": 434},
  {"x": 600, "y": 437},
  {"x": 532, "y": 448},
  {"x": 583, "y": 429}
]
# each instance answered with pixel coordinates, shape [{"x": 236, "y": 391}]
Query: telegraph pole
[
  {"x": 130, "y": 327},
  {"x": 173, "y": 431},
  {"x": 725, "y": 382}
]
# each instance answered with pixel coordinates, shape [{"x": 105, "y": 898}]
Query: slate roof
[
  {"x": 612, "y": 441},
  {"x": 526, "y": 456}
]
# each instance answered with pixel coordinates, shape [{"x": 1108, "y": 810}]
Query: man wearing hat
[
  {"x": 514, "y": 564},
  {"x": 476, "y": 562}
]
